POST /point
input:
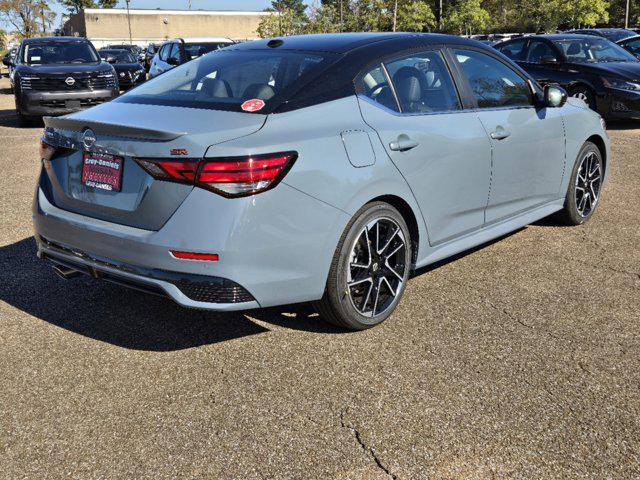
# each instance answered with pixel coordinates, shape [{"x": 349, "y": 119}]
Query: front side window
[
  {"x": 593, "y": 50},
  {"x": 43, "y": 53},
  {"x": 225, "y": 79},
  {"x": 513, "y": 50},
  {"x": 540, "y": 51},
  {"x": 493, "y": 83}
]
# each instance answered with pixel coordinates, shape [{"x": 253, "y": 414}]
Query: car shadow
[
  {"x": 9, "y": 118},
  {"x": 138, "y": 321},
  {"x": 434, "y": 266},
  {"x": 623, "y": 125},
  {"x": 108, "y": 312}
]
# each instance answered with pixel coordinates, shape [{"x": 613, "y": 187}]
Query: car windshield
[
  {"x": 226, "y": 79},
  {"x": 593, "y": 50},
  {"x": 41, "y": 53},
  {"x": 195, "y": 50},
  {"x": 119, "y": 56}
]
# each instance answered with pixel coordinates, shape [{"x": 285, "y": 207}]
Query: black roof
[
  {"x": 345, "y": 42},
  {"x": 602, "y": 30},
  {"x": 554, "y": 36},
  {"x": 55, "y": 39}
]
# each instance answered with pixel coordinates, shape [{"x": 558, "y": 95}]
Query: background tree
[
  {"x": 324, "y": 19},
  {"x": 288, "y": 18},
  {"x": 466, "y": 17},
  {"x": 296, "y": 6},
  {"x": 74, "y": 6},
  {"x": 281, "y": 23},
  {"x": 22, "y": 15},
  {"x": 415, "y": 16}
]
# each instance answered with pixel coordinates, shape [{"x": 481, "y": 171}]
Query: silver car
[{"x": 312, "y": 169}]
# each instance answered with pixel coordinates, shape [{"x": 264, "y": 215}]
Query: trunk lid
[{"x": 133, "y": 131}]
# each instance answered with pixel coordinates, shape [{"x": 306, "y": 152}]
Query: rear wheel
[
  {"x": 369, "y": 270},
  {"x": 585, "y": 185},
  {"x": 585, "y": 94}
]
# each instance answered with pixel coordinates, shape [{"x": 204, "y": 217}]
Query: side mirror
[
  {"x": 554, "y": 96},
  {"x": 549, "y": 60},
  {"x": 110, "y": 59},
  {"x": 173, "y": 61},
  {"x": 6, "y": 61}
]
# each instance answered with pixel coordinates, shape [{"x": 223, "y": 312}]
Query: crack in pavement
[
  {"x": 370, "y": 451},
  {"x": 603, "y": 267}
]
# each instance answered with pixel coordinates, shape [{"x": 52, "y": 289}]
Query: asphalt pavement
[{"x": 517, "y": 360}]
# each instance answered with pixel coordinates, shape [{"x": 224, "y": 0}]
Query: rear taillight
[
  {"x": 46, "y": 153},
  {"x": 170, "y": 170},
  {"x": 229, "y": 176},
  {"x": 240, "y": 176}
]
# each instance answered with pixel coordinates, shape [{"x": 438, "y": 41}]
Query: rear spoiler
[{"x": 110, "y": 129}]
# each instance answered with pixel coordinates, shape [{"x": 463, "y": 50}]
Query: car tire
[
  {"x": 369, "y": 270},
  {"x": 586, "y": 94},
  {"x": 585, "y": 186}
]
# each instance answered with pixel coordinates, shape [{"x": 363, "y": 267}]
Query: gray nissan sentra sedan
[{"x": 315, "y": 168}]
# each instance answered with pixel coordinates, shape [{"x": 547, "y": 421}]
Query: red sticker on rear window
[{"x": 254, "y": 105}]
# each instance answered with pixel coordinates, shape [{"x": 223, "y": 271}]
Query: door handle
[
  {"x": 403, "y": 144},
  {"x": 500, "y": 134}
]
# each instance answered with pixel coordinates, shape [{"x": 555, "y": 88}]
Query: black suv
[{"x": 60, "y": 75}]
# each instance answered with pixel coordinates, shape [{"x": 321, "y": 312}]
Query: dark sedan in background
[
  {"x": 592, "y": 68},
  {"x": 131, "y": 48},
  {"x": 129, "y": 70},
  {"x": 632, "y": 45},
  {"x": 613, "y": 34}
]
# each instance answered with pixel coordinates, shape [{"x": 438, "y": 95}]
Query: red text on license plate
[{"x": 102, "y": 171}]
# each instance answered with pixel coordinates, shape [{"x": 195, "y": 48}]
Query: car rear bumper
[
  {"x": 273, "y": 250},
  {"x": 193, "y": 291},
  {"x": 61, "y": 103}
]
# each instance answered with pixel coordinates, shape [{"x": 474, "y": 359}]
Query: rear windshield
[
  {"x": 42, "y": 53},
  {"x": 226, "y": 79},
  {"x": 195, "y": 50}
]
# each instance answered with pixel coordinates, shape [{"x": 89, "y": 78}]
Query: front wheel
[
  {"x": 586, "y": 95},
  {"x": 370, "y": 269},
  {"x": 585, "y": 185}
]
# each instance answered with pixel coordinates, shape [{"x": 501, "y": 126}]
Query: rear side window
[
  {"x": 377, "y": 87},
  {"x": 513, "y": 50},
  {"x": 493, "y": 83},
  {"x": 226, "y": 79},
  {"x": 423, "y": 83},
  {"x": 420, "y": 83}
]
